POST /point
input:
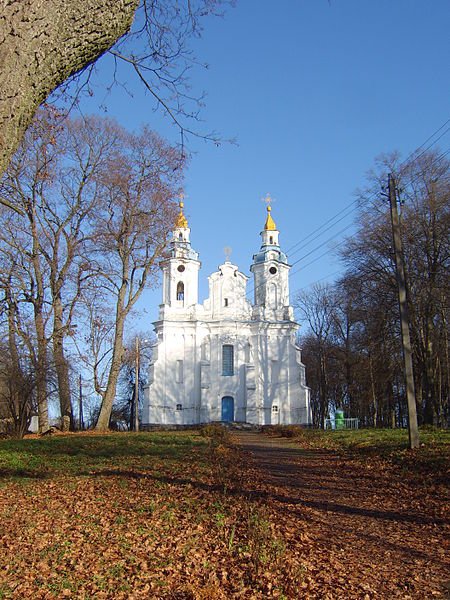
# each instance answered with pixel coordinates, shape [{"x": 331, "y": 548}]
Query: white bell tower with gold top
[
  {"x": 271, "y": 274},
  {"x": 180, "y": 269}
]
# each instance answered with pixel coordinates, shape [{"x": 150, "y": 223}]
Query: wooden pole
[{"x": 413, "y": 429}]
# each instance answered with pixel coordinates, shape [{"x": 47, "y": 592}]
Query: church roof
[
  {"x": 270, "y": 253},
  {"x": 270, "y": 223},
  {"x": 181, "y": 220}
]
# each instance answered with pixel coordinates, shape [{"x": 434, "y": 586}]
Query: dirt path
[{"x": 358, "y": 529}]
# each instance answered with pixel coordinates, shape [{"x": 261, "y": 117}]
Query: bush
[
  {"x": 216, "y": 434},
  {"x": 287, "y": 431}
]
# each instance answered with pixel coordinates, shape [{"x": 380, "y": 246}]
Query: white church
[{"x": 227, "y": 359}]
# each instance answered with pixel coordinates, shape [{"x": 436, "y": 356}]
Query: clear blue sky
[{"x": 313, "y": 91}]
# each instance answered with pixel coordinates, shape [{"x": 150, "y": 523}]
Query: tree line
[
  {"x": 97, "y": 204},
  {"x": 352, "y": 348}
]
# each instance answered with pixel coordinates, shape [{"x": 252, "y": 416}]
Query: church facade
[{"x": 227, "y": 359}]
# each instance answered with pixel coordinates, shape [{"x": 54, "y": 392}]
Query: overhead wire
[
  {"x": 289, "y": 250},
  {"x": 411, "y": 154},
  {"x": 353, "y": 206}
]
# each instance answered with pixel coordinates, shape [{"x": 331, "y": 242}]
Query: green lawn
[{"x": 81, "y": 454}]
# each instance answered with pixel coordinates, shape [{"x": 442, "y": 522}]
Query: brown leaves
[{"x": 290, "y": 525}]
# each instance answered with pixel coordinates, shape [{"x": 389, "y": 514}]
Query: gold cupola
[
  {"x": 269, "y": 234},
  {"x": 270, "y": 223},
  {"x": 181, "y": 221}
]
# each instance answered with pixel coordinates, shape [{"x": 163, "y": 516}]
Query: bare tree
[
  {"x": 317, "y": 309},
  {"x": 137, "y": 358},
  {"x": 54, "y": 178},
  {"x": 17, "y": 382},
  {"x": 19, "y": 248},
  {"x": 130, "y": 233},
  {"x": 425, "y": 220}
]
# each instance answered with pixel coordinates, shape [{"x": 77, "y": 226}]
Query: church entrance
[{"x": 228, "y": 409}]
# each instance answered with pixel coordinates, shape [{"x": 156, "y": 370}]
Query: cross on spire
[{"x": 268, "y": 200}]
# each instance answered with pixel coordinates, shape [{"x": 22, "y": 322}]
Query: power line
[
  {"x": 324, "y": 231},
  {"x": 304, "y": 287},
  {"x": 352, "y": 206},
  {"x": 426, "y": 141},
  {"x": 322, "y": 244},
  {"x": 324, "y": 224},
  {"x": 435, "y": 160}
]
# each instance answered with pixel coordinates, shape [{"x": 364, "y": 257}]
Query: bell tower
[
  {"x": 270, "y": 272},
  {"x": 180, "y": 269}
]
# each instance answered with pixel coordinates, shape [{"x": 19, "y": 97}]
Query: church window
[
  {"x": 274, "y": 408},
  {"x": 272, "y": 270},
  {"x": 180, "y": 236},
  {"x": 227, "y": 359},
  {"x": 179, "y": 407},
  {"x": 180, "y": 290},
  {"x": 180, "y": 268},
  {"x": 179, "y": 372},
  {"x": 226, "y": 301},
  {"x": 271, "y": 240}
]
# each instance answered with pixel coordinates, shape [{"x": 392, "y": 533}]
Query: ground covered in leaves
[{"x": 191, "y": 516}]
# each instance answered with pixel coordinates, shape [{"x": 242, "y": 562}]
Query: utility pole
[
  {"x": 413, "y": 429},
  {"x": 136, "y": 388}
]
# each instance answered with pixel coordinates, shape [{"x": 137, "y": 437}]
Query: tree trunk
[
  {"x": 41, "y": 340},
  {"x": 116, "y": 364},
  {"x": 19, "y": 404},
  {"x": 43, "y": 43},
  {"x": 323, "y": 391},
  {"x": 374, "y": 394},
  {"x": 41, "y": 373},
  {"x": 61, "y": 367},
  {"x": 429, "y": 384}
]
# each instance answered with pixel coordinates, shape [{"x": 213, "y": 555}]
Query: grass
[
  {"x": 391, "y": 445},
  {"x": 379, "y": 440},
  {"x": 81, "y": 454}
]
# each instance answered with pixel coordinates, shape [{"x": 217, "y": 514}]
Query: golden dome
[
  {"x": 270, "y": 223},
  {"x": 181, "y": 220}
]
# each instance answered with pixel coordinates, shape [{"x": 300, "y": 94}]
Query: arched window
[
  {"x": 180, "y": 236},
  {"x": 271, "y": 240},
  {"x": 180, "y": 290},
  {"x": 227, "y": 359}
]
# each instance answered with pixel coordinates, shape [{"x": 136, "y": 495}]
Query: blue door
[{"x": 227, "y": 409}]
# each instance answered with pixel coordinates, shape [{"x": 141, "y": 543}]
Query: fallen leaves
[{"x": 213, "y": 524}]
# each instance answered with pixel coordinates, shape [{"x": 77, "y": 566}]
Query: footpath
[{"x": 357, "y": 528}]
